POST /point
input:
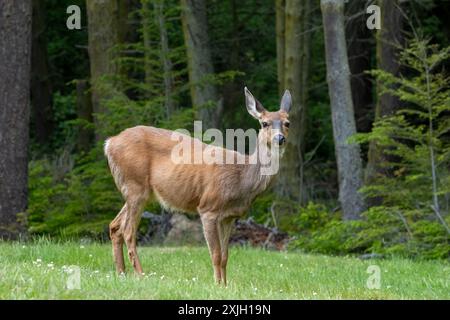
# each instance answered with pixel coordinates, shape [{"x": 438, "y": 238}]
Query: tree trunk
[
  {"x": 204, "y": 94},
  {"x": 41, "y": 91},
  {"x": 232, "y": 90},
  {"x": 348, "y": 157},
  {"x": 165, "y": 58},
  {"x": 280, "y": 8},
  {"x": 388, "y": 40},
  {"x": 146, "y": 37},
  {"x": 15, "y": 69},
  {"x": 105, "y": 30},
  {"x": 130, "y": 26},
  {"x": 84, "y": 112},
  {"x": 296, "y": 71},
  {"x": 359, "y": 44}
]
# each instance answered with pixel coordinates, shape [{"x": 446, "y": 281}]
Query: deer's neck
[{"x": 261, "y": 167}]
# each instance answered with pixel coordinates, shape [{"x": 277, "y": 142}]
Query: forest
[{"x": 366, "y": 168}]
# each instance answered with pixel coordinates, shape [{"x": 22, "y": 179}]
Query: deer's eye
[
  {"x": 286, "y": 124},
  {"x": 265, "y": 124}
]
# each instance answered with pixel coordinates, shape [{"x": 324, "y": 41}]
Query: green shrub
[
  {"x": 80, "y": 202},
  {"x": 382, "y": 231}
]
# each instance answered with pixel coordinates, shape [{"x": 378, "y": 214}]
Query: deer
[{"x": 140, "y": 162}]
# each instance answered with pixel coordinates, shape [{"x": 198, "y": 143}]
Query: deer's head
[{"x": 274, "y": 125}]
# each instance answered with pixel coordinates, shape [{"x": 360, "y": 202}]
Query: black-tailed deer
[{"x": 141, "y": 163}]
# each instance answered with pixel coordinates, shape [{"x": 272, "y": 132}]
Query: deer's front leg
[
  {"x": 210, "y": 230},
  {"x": 225, "y": 228}
]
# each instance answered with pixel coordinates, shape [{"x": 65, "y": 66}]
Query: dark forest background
[{"x": 367, "y": 162}]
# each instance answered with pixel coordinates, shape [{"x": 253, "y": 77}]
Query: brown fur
[{"x": 140, "y": 162}]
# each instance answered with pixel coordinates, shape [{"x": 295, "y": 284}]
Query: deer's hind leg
[
  {"x": 116, "y": 236},
  {"x": 135, "y": 205}
]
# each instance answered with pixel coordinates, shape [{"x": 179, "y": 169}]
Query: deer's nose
[{"x": 280, "y": 139}]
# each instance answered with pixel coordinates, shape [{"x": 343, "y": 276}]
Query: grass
[{"x": 38, "y": 270}]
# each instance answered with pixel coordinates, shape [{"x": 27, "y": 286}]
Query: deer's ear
[
  {"x": 254, "y": 107},
  {"x": 286, "y": 102}
]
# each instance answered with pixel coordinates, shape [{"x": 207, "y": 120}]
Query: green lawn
[{"x": 38, "y": 270}]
